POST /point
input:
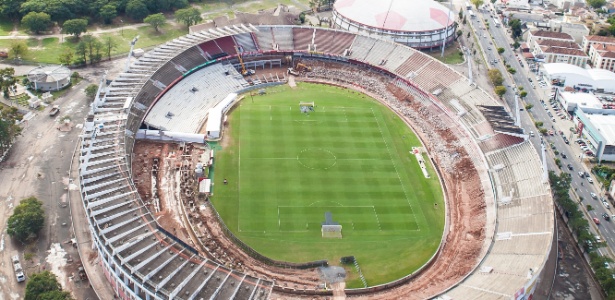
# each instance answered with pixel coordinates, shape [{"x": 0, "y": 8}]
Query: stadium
[
  {"x": 498, "y": 216},
  {"x": 423, "y": 24}
]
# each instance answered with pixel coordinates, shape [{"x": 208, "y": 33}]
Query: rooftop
[
  {"x": 590, "y": 74},
  {"x": 552, "y": 35},
  {"x": 600, "y": 39},
  {"x": 563, "y": 51},
  {"x": 582, "y": 99},
  {"x": 605, "y": 124},
  {"x": 398, "y": 15}
]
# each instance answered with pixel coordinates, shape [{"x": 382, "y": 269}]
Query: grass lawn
[
  {"x": 452, "y": 56},
  {"x": 6, "y": 26},
  {"x": 351, "y": 158}
]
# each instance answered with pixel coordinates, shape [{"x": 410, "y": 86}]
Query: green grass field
[{"x": 350, "y": 157}]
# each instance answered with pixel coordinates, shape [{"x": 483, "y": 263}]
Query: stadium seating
[
  {"x": 333, "y": 42},
  {"x": 227, "y": 44},
  {"x": 302, "y": 38},
  {"x": 246, "y": 42},
  {"x": 264, "y": 38},
  {"x": 414, "y": 63},
  {"x": 212, "y": 50},
  {"x": 283, "y": 37},
  {"x": 190, "y": 58},
  {"x": 361, "y": 47}
]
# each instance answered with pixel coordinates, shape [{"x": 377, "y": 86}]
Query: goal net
[
  {"x": 331, "y": 231},
  {"x": 306, "y": 107}
]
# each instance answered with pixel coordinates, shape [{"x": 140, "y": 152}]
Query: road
[{"x": 494, "y": 37}]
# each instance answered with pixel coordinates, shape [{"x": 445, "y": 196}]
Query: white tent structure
[
  {"x": 215, "y": 117},
  {"x": 573, "y": 76}
]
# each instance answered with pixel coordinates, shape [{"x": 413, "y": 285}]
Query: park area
[{"x": 349, "y": 156}]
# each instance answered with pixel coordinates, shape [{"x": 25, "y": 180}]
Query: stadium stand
[
  {"x": 178, "y": 109},
  {"x": 283, "y": 37},
  {"x": 212, "y": 50},
  {"x": 264, "y": 38},
  {"x": 227, "y": 44},
  {"x": 361, "y": 46},
  {"x": 191, "y": 58},
  {"x": 245, "y": 41},
  {"x": 414, "y": 63},
  {"x": 333, "y": 42},
  {"x": 302, "y": 38}
]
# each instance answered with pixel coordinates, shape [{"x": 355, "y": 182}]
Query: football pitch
[{"x": 350, "y": 157}]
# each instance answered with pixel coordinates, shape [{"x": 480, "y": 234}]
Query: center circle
[{"x": 316, "y": 159}]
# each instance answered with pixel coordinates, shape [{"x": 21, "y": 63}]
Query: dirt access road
[{"x": 38, "y": 166}]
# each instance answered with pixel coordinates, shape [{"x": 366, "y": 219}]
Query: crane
[{"x": 244, "y": 71}]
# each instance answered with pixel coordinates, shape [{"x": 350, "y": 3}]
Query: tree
[
  {"x": 529, "y": 106},
  {"x": 7, "y": 82},
  {"x": 500, "y": 50},
  {"x": 156, "y": 20},
  {"x": 516, "y": 45},
  {"x": 596, "y": 3},
  {"x": 495, "y": 76},
  {"x": 107, "y": 13},
  {"x": 109, "y": 45},
  {"x": 459, "y": 33},
  {"x": 75, "y": 27},
  {"x": 36, "y": 21},
  {"x": 45, "y": 286},
  {"x": 188, "y": 16},
  {"x": 523, "y": 94},
  {"x": 91, "y": 91},
  {"x": 137, "y": 10},
  {"x": 477, "y": 3},
  {"x": 18, "y": 49},
  {"x": 27, "y": 220},
  {"x": 81, "y": 50},
  {"x": 500, "y": 91},
  {"x": 511, "y": 70},
  {"x": 66, "y": 57},
  {"x": 9, "y": 9},
  {"x": 468, "y": 35},
  {"x": 515, "y": 27}
]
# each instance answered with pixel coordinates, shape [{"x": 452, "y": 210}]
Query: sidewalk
[{"x": 89, "y": 257}]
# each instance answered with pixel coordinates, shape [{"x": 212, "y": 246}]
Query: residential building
[
  {"x": 559, "y": 51},
  {"x": 576, "y": 30},
  {"x": 539, "y": 35},
  {"x": 589, "y": 40},
  {"x": 602, "y": 56}
]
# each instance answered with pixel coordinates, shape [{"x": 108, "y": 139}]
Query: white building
[
  {"x": 571, "y": 101},
  {"x": 589, "y": 40},
  {"x": 557, "y": 51},
  {"x": 417, "y": 23},
  {"x": 578, "y": 78},
  {"x": 576, "y": 30},
  {"x": 598, "y": 128},
  {"x": 602, "y": 56}
]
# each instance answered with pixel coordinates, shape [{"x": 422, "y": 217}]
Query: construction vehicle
[
  {"x": 244, "y": 71},
  {"x": 298, "y": 69}
]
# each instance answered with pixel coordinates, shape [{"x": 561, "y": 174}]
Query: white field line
[
  {"x": 377, "y": 218},
  {"x": 395, "y": 167}
]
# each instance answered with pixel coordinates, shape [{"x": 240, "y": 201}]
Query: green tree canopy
[
  {"x": 477, "y": 3},
  {"x": 66, "y": 57},
  {"x": 188, "y": 16},
  {"x": 27, "y": 220},
  {"x": 515, "y": 27},
  {"x": 523, "y": 94},
  {"x": 596, "y": 3},
  {"x": 36, "y": 21},
  {"x": 75, "y": 27},
  {"x": 45, "y": 286},
  {"x": 137, "y": 10},
  {"x": 107, "y": 13},
  {"x": 495, "y": 76},
  {"x": 18, "y": 49},
  {"x": 501, "y": 50},
  {"x": 9, "y": 9},
  {"x": 156, "y": 20},
  {"x": 500, "y": 91},
  {"x": 109, "y": 44},
  {"x": 91, "y": 91}
]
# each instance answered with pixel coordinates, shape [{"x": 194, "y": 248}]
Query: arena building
[
  {"x": 49, "y": 78},
  {"x": 420, "y": 24}
]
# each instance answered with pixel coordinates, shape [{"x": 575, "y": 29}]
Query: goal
[
  {"x": 306, "y": 107},
  {"x": 330, "y": 228}
]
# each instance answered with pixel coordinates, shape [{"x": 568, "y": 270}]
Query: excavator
[
  {"x": 244, "y": 71},
  {"x": 298, "y": 69}
]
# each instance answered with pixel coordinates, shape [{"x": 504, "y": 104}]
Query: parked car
[
  {"x": 590, "y": 180},
  {"x": 606, "y": 204}
]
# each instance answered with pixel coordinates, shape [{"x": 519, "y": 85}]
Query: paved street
[{"x": 497, "y": 37}]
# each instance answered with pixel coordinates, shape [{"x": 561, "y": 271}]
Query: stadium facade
[{"x": 420, "y": 24}]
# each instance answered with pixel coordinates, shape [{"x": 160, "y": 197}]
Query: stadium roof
[
  {"x": 398, "y": 15},
  {"x": 593, "y": 74},
  {"x": 48, "y": 74}
]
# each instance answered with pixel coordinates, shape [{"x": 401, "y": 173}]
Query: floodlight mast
[{"x": 132, "y": 46}]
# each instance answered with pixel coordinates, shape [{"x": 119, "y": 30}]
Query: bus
[
  {"x": 471, "y": 13},
  {"x": 496, "y": 22}
]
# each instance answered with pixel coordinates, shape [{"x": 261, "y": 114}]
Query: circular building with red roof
[{"x": 417, "y": 23}]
